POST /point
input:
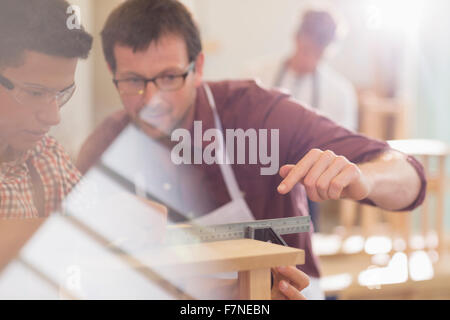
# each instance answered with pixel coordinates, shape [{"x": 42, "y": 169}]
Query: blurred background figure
[
  {"x": 309, "y": 79},
  {"x": 306, "y": 75}
]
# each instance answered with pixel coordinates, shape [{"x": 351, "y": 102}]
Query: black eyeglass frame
[
  {"x": 191, "y": 67},
  {"x": 5, "y": 82}
]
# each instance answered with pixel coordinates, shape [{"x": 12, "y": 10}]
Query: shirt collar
[{"x": 23, "y": 158}]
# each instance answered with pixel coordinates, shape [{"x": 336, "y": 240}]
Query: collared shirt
[
  {"x": 35, "y": 184},
  {"x": 245, "y": 105},
  {"x": 336, "y": 97},
  {"x": 327, "y": 91}
]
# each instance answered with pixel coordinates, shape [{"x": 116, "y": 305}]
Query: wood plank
[
  {"x": 220, "y": 257},
  {"x": 426, "y": 203},
  {"x": 440, "y": 210},
  {"x": 255, "y": 284}
]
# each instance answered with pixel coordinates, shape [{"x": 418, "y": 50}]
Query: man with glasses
[
  {"x": 154, "y": 52},
  {"x": 37, "y": 95},
  {"x": 38, "y": 58},
  {"x": 136, "y": 86}
]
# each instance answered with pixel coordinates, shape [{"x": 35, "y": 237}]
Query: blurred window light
[
  {"x": 353, "y": 244},
  {"x": 372, "y": 277},
  {"x": 432, "y": 239},
  {"x": 396, "y": 16},
  {"x": 397, "y": 269},
  {"x": 434, "y": 256},
  {"x": 395, "y": 272},
  {"x": 377, "y": 245},
  {"x": 417, "y": 242},
  {"x": 326, "y": 244},
  {"x": 399, "y": 244},
  {"x": 381, "y": 259},
  {"x": 420, "y": 266},
  {"x": 336, "y": 282}
]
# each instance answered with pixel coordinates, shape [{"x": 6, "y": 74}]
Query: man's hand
[
  {"x": 325, "y": 176},
  {"x": 288, "y": 282}
]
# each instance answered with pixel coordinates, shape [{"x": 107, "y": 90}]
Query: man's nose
[
  {"x": 49, "y": 115},
  {"x": 149, "y": 92}
]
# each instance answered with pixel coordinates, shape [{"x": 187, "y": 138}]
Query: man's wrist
[{"x": 367, "y": 179}]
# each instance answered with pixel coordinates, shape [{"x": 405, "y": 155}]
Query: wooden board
[
  {"x": 221, "y": 256},
  {"x": 254, "y": 284}
]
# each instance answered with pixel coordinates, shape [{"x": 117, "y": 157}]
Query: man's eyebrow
[
  {"x": 171, "y": 69},
  {"x": 134, "y": 74},
  {"x": 130, "y": 74}
]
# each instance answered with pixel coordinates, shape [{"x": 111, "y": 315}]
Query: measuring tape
[{"x": 219, "y": 232}]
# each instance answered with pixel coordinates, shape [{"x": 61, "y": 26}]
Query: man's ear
[
  {"x": 199, "y": 63},
  {"x": 110, "y": 69}
]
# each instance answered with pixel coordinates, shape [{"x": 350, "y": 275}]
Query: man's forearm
[{"x": 394, "y": 182}]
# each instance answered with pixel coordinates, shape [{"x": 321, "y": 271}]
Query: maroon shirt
[{"x": 245, "y": 105}]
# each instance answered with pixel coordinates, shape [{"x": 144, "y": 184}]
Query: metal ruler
[{"x": 219, "y": 232}]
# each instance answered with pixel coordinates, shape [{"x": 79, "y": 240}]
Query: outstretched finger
[
  {"x": 284, "y": 170},
  {"x": 299, "y": 171}
]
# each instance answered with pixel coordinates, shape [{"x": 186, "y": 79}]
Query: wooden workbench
[{"x": 252, "y": 260}]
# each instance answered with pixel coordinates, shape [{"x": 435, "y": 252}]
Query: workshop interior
[{"x": 126, "y": 230}]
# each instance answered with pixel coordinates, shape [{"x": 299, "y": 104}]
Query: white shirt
[{"x": 337, "y": 98}]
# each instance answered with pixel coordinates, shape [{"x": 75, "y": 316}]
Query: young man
[
  {"x": 154, "y": 52},
  {"x": 38, "y": 58}
]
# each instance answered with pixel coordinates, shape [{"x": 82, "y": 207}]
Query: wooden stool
[
  {"x": 380, "y": 118},
  {"x": 400, "y": 228},
  {"x": 427, "y": 149}
]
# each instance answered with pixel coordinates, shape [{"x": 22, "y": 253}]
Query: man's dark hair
[
  {"x": 320, "y": 26},
  {"x": 41, "y": 26},
  {"x": 138, "y": 23}
]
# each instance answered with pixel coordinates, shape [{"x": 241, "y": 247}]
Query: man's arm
[
  {"x": 389, "y": 180},
  {"x": 395, "y": 182}
]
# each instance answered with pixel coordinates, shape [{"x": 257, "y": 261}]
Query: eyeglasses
[
  {"x": 166, "y": 82},
  {"x": 33, "y": 95}
]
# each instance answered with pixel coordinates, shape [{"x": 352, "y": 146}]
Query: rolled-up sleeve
[{"x": 307, "y": 129}]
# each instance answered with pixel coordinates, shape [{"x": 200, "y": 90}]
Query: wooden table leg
[
  {"x": 254, "y": 284},
  {"x": 440, "y": 205},
  {"x": 401, "y": 229},
  {"x": 347, "y": 215},
  {"x": 405, "y": 218},
  {"x": 369, "y": 220},
  {"x": 426, "y": 207}
]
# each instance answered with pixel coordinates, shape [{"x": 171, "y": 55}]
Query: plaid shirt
[{"x": 57, "y": 174}]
